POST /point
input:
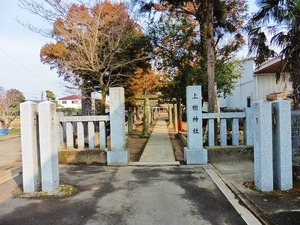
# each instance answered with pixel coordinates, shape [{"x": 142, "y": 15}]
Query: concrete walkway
[{"x": 159, "y": 150}]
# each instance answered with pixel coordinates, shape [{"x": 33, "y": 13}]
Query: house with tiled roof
[{"x": 72, "y": 101}]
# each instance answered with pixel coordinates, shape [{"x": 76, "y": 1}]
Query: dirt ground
[{"x": 136, "y": 143}]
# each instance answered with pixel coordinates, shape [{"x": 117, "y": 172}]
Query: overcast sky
[{"x": 20, "y": 65}]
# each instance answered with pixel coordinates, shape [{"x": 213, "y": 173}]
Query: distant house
[
  {"x": 258, "y": 83},
  {"x": 72, "y": 101}
]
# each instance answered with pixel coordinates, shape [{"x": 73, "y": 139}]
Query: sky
[{"x": 20, "y": 65}]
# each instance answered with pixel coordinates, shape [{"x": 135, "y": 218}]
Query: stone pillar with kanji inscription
[{"x": 194, "y": 153}]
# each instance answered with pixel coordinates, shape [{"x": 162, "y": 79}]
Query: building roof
[
  {"x": 271, "y": 66},
  {"x": 71, "y": 97}
]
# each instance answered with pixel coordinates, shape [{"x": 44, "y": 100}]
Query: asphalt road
[
  {"x": 128, "y": 196},
  {"x": 10, "y": 151}
]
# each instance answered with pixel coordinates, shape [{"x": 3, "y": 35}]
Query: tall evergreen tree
[
  {"x": 277, "y": 25},
  {"x": 216, "y": 20}
]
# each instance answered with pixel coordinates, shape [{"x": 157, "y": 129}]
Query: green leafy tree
[
  {"x": 50, "y": 96},
  {"x": 216, "y": 20},
  {"x": 177, "y": 52},
  {"x": 277, "y": 25}
]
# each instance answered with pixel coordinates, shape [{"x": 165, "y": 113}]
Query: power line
[{"x": 24, "y": 67}]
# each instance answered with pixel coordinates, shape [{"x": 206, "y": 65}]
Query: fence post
[
  {"x": 29, "y": 143},
  {"x": 194, "y": 153},
  {"x": 235, "y": 131},
  {"x": 91, "y": 134},
  {"x": 80, "y": 135},
  {"x": 170, "y": 116},
  {"x": 118, "y": 154},
  {"x": 130, "y": 121},
  {"x": 223, "y": 132},
  {"x": 263, "y": 160},
  {"x": 60, "y": 130},
  {"x": 48, "y": 146},
  {"x": 175, "y": 118},
  {"x": 249, "y": 127},
  {"x": 282, "y": 145},
  {"x": 102, "y": 129}
]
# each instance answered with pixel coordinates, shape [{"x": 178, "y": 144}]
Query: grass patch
[
  {"x": 64, "y": 190},
  {"x": 14, "y": 131},
  {"x": 144, "y": 136}
]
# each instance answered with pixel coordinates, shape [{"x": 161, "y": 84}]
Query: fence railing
[
  {"x": 82, "y": 132},
  {"x": 229, "y": 124}
]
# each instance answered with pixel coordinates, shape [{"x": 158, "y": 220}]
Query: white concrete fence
[
  {"x": 44, "y": 132},
  {"x": 73, "y": 135},
  {"x": 267, "y": 126},
  {"x": 234, "y": 119}
]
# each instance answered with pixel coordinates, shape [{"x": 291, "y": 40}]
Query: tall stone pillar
[
  {"x": 263, "y": 160},
  {"x": 118, "y": 155},
  {"x": 194, "y": 153},
  {"x": 48, "y": 146},
  {"x": 282, "y": 145},
  {"x": 29, "y": 143}
]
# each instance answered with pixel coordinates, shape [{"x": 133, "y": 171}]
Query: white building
[
  {"x": 256, "y": 84},
  {"x": 72, "y": 101}
]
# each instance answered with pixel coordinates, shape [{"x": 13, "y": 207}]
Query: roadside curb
[
  {"x": 259, "y": 214},
  {"x": 182, "y": 138},
  {"x": 9, "y": 174},
  {"x": 10, "y": 138}
]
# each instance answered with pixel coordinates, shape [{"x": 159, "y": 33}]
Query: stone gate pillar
[
  {"x": 194, "y": 153},
  {"x": 263, "y": 155},
  {"x": 118, "y": 155},
  {"x": 48, "y": 130},
  {"x": 282, "y": 145},
  {"x": 30, "y": 151}
]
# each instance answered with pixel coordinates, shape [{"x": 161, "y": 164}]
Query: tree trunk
[
  {"x": 6, "y": 124},
  {"x": 9, "y": 121},
  {"x": 103, "y": 100},
  {"x": 3, "y": 124},
  {"x": 86, "y": 103},
  {"x": 210, "y": 56}
]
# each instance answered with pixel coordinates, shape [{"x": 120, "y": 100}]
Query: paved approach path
[
  {"x": 158, "y": 150},
  {"x": 164, "y": 195}
]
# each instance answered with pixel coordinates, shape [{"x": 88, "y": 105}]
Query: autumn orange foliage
[
  {"x": 144, "y": 82},
  {"x": 95, "y": 45}
]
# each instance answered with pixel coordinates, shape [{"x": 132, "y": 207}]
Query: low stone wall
[
  {"x": 82, "y": 157},
  {"x": 227, "y": 153},
  {"x": 230, "y": 153}
]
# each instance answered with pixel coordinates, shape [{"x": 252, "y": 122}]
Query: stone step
[
  {"x": 174, "y": 163},
  {"x": 8, "y": 174}
]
